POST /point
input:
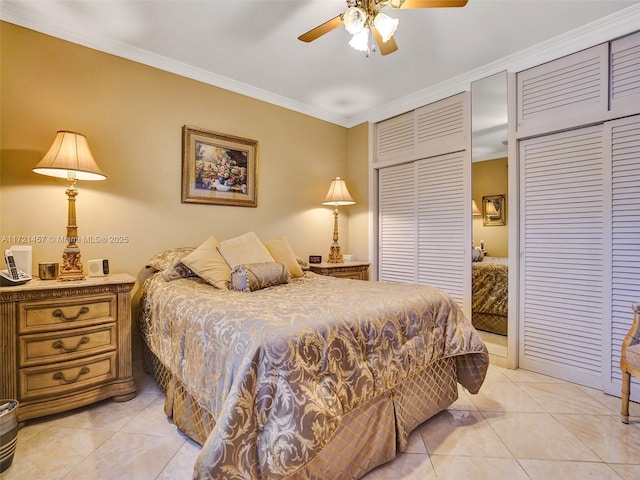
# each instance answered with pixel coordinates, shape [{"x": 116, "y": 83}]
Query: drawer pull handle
[
  {"x": 60, "y": 375},
  {"x": 60, "y": 345},
  {"x": 60, "y": 313}
]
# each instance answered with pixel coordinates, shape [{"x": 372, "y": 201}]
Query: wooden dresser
[
  {"x": 355, "y": 270},
  {"x": 66, "y": 344}
]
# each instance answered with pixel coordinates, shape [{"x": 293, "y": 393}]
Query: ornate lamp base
[
  {"x": 71, "y": 266},
  {"x": 335, "y": 256}
]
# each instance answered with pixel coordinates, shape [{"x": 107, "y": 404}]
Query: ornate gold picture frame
[
  {"x": 493, "y": 210},
  {"x": 218, "y": 169}
]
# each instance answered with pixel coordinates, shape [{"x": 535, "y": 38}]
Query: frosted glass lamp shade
[{"x": 386, "y": 26}]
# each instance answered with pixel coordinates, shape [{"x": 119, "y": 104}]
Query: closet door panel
[
  {"x": 397, "y": 237},
  {"x": 441, "y": 216},
  {"x": 625, "y": 233},
  {"x": 441, "y": 127},
  {"x": 625, "y": 75},
  {"x": 396, "y": 139},
  {"x": 562, "y": 258},
  {"x": 567, "y": 92}
]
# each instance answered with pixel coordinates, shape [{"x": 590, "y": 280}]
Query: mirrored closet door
[{"x": 490, "y": 270}]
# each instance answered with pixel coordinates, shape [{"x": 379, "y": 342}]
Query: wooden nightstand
[
  {"x": 355, "y": 270},
  {"x": 64, "y": 345}
]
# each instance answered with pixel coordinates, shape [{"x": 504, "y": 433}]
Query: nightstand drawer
[
  {"x": 66, "y": 344},
  {"x": 64, "y": 377},
  {"x": 352, "y": 270},
  {"x": 45, "y": 315}
]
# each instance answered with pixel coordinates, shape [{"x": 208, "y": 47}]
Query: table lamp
[
  {"x": 69, "y": 157},
  {"x": 337, "y": 195}
]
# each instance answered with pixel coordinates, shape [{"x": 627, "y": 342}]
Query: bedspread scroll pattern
[
  {"x": 490, "y": 287},
  {"x": 278, "y": 368}
]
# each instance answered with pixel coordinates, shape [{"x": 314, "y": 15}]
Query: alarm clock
[{"x": 99, "y": 267}]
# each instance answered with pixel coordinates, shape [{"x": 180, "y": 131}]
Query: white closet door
[
  {"x": 396, "y": 138},
  {"x": 444, "y": 230},
  {"x": 397, "y": 224},
  {"x": 562, "y": 301},
  {"x": 563, "y": 93},
  {"x": 625, "y": 235},
  {"x": 625, "y": 75}
]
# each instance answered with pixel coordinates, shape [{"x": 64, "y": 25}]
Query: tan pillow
[
  {"x": 246, "y": 248},
  {"x": 281, "y": 251},
  {"x": 206, "y": 262}
]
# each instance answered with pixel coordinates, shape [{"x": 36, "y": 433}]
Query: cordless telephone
[{"x": 12, "y": 276}]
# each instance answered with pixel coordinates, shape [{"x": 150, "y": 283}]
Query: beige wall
[
  {"x": 491, "y": 178},
  {"x": 358, "y": 174},
  {"x": 133, "y": 115}
]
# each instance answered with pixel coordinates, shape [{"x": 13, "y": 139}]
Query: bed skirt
[
  {"x": 490, "y": 322},
  {"x": 367, "y": 437}
]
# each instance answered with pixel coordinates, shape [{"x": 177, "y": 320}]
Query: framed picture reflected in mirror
[{"x": 493, "y": 210}]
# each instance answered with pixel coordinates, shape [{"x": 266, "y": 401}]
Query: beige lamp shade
[
  {"x": 70, "y": 157},
  {"x": 491, "y": 209},
  {"x": 338, "y": 194},
  {"x": 474, "y": 208}
]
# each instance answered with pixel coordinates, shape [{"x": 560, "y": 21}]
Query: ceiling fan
[{"x": 364, "y": 16}]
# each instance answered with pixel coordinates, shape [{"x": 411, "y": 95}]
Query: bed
[
  {"x": 490, "y": 294},
  {"x": 315, "y": 378}
]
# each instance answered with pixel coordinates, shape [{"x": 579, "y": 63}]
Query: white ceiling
[{"x": 251, "y": 46}]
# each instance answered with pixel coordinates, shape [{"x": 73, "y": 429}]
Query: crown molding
[
  {"x": 613, "y": 26},
  {"x": 13, "y": 13},
  {"x": 621, "y": 23}
]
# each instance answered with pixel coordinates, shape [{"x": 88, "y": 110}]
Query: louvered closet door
[
  {"x": 566, "y": 92},
  {"x": 625, "y": 235},
  {"x": 562, "y": 236},
  {"x": 443, "y": 260},
  {"x": 625, "y": 75},
  {"x": 397, "y": 224},
  {"x": 396, "y": 138}
]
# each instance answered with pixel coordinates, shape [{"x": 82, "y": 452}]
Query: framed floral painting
[{"x": 218, "y": 169}]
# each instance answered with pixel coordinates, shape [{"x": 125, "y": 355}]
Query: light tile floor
[{"x": 520, "y": 426}]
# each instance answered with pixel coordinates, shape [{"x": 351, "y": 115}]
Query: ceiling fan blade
[
  {"x": 433, "y": 3},
  {"x": 387, "y": 47},
  {"x": 320, "y": 30}
]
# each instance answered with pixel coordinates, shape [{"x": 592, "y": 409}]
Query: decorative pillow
[
  {"x": 245, "y": 249},
  {"x": 304, "y": 265},
  {"x": 208, "y": 264},
  {"x": 177, "y": 271},
  {"x": 168, "y": 258},
  {"x": 254, "y": 276},
  {"x": 477, "y": 255},
  {"x": 281, "y": 251}
]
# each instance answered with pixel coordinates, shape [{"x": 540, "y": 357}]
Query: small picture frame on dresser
[{"x": 315, "y": 258}]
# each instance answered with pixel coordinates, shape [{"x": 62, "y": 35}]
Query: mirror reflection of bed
[{"x": 489, "y": 303}]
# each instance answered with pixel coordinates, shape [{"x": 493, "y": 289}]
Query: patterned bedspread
[
  {"x": 490, "y": 294},
  {"x": 278, "y": 368}
]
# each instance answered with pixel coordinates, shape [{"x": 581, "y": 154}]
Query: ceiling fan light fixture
[
  {"x": 360, "y": 41},
  {"x": 386, "y": 26},
  {"x": 355, "y": 20}
]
